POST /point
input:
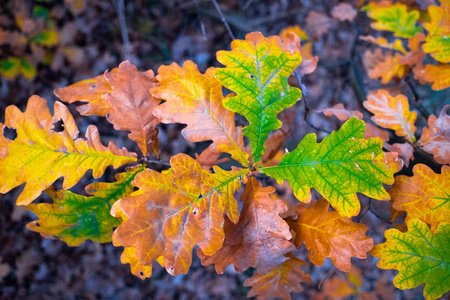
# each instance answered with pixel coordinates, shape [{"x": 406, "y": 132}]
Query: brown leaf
[
  {"x": 341, "y": 113},
  {"x": 343, "y": 12},
  {"x": 208, "y": 158},
  {"x": 130, "y": 97},
  {"x": 327, "y": 234},
  {"x": 261, "y": 237},
  {"x": 405, "y": 151},
  {"x": 279, "y": 281},
  {"x": 436, "y": 138},
  {"x": 318, "y": 23}
]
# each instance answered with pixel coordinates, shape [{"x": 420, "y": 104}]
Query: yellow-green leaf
[
  {"x": 420, "y": 257},
  {"x": 48, "y": 37},
  {"x": 39, "y": 155},
  {"x": 437, "y": 42},
  {"x": 10, "y": 68},
  {"x": 75, "y": 218},
  {"x": 257, "y": 70},
  {"x": 393, "y": 17},
  {"x": 343, "y": 164}
]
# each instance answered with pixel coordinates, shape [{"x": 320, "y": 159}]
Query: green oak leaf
[
  {"x": 257, "y": 70},
  {"x": 420, "y": 257},
  {"x": 75, "y": 218},
  {"x": 343, "y": 164}
]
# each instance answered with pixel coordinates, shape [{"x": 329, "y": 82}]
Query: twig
[
  {"x": 419, "y": 105},
  {"x": 327, "y": 275},
  {"x": 219, "y": 11},
  {"x": 200, "y": 20},
  {"x": 119, "y": 6},
  {"x": 376, "y": 214},
  {"x": 305, "y": 118},
  {"x": 146, "y": 160}
]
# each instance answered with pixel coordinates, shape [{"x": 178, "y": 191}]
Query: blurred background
[{"x": 47, "y": 44}]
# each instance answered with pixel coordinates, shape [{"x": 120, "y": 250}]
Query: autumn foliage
[{"x": 231, "y": 213}]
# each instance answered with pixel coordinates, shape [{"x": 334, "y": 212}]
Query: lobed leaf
[
  {"x": 436, "y": 138},
  {"x": 438, "y": 76},
  {"x": 260, "y": 239},
  {"x": 38, "y": 155},
  {"x": 75, "y": 218},
  {"x": 196, "y": 99},
  {"x": 279, "y": 281},
  {"x": 130, "y": 97},
  {"x": 327, "y": 234},
  {"x": 392, "y": 113},
  {"x": 419, "y": 255},
  {"x": 437, "y": 42},
  {"x": 425, "y": 195},
  {"x": 342, "y": 165},
  {"x": 341, "y": 113},
  {"x": 393, "y": 17},
  {"x": 176, "y": 210},
  {"x": 258, "y": 70}
]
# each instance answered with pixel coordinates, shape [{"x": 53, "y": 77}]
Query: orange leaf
[
  {"x": 425, "y": 195},
  {"x": 279, "y": 281},
  {"x": 175, "y": 210},
  {"x": 90, "y": 91},
  {"x": 392, "y": 113},
  {"x": 196, "y": 99},
  {"x": 336, "y": 288},
  {"x": 383, "y": 42},
  {"x": 327, "y": 234},
  {"x": 341, "y": 113},
  {"x": 405, "y": 151},
  {"x": 39, "y": 155},
  {"x": 133, "y": 105},
  {"x": 385, "y": 67},
  {"x": 260, "y": 239},
  {"x": 274, "y": 149},
  {"x": 436, "y": 138},
  {"x": 439, "y": 76},
  {"x": 208, "y": 158}
]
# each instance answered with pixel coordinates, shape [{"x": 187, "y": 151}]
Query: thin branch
[
  {"x": 147, "y": 160},
  {"x": 305, "y": 118},
  {"x": 224, "y": 21},
  {"x": 200, "y": 20},
  {"x": 119, "y": 6},
  {"x": 419, "y": 105}
]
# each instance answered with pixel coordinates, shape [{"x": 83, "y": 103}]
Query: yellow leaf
[
  {"x": 437, "y": 42},
  {"x": 39, "y": 155}
]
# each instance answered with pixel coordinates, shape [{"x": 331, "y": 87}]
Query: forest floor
[{"x": 162, "y": 32}]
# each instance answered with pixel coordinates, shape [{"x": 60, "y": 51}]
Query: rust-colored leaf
[
  {"x": 343, "y": 12},
  {"x": 327, "y": 234},
  {"x": 279, "y": 281},
  {"x": 175, "y": 210},
  {"x": 260, "y": 239},
  {"x": 318, "y": 23},
  {"x": 341, "y": 113},
  {"x": 392, "y": 113},
  {"x": 196, "y": 99},
  {"x": 425, "y": 195},
  {"x": 133, "y": 105},
  {"x": 405, "y": 151},
  {"x": 436, "y": 138}
]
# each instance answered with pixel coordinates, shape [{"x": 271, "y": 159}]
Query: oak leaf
[
  {"x": 12, "y": 66},
  {"x": 341, "y": 113},
  {"x": 437, "y": 42},
  {"x": 257, "y": 70},
  {"x": 196, "y": 99},
  {"x": 175, "y": 210},
  {"x": 318, "y": 23},
  {"x": 405, "y": 151},
  {"x": 342, "y": 165},
  {"x": 438, "y": 76},
  {"x": 336, "y": 288},
  {"x": 392, "y": 113},
  {"x": 260, "y": 239},
  {"x": 39, "y": 155},
  {"x": 75, "y": 218},
  {"x": 90, "y": 91},
  {"x": 436, "y": 138},
  {"x": 393, "y": 17},
  {"x": 130, "y": 97},
  {"x": 425, "y": 195},
  {"x": 383, "y": 42},
  {"x": 385, "y": 66},
  {"x": 279, "y": 281},
  {"x": 327, "y": 234},
  {"x": 420, "y": 256}
]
